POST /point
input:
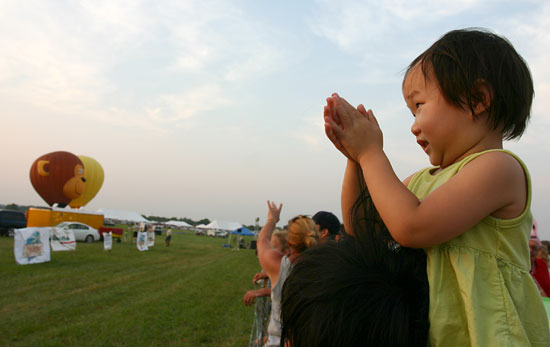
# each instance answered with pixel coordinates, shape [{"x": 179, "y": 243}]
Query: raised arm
[{"x": 269, "y": 257}]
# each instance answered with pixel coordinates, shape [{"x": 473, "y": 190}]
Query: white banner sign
[
  {"x": 108, "y": 241},
  {"x": 62, "y": 239},
  {"x": 31, "y": 245},
  {"x": 142, "y": 241},
  {"x": 150, "y": 238}
]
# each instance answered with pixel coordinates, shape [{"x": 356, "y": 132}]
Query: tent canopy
[
  {"x": 122, "y": 215},
  {"x": 222, "y": 225},
  {"x": 178, "y": 223},
  {"x": 242, "y": 231}
]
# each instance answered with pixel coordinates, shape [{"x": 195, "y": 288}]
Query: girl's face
[{"x": 439, "y": 126}]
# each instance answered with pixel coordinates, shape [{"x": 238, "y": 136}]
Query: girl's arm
[
  {"x": 350, "y": 186},
  {"x": 350, "y": 192},
  {"x": 269, "y": 257},
  {"x": 493, "y": 184}
]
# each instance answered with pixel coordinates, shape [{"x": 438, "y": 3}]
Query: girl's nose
[{"x": 415, "y": 129}]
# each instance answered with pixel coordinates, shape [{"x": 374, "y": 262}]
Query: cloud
[
  {"x": 220, "y": 39},
  {"x": 532, "y": 31},
  {"x": 357, "y": 26},
  {"x": 51, "y": 60},
  {"x": 311, "y": 133},
  {"x": 130, "y": 62},
  {"x": 174, "y": 107},
  {"x": 389, "y": 34}
]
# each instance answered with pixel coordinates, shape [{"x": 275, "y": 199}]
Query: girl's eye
[{"x": 418, "y": 105}]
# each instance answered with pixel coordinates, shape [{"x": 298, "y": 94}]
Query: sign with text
[
  {"x": 108, "y": 241},
  {"x": 31, "y": 245},
  {"x": 62, "y": 239},
  {"x": 142, "y": 241},
  {"x": 150, "y": 238}
]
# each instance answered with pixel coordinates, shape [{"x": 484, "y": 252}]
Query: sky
[{"x": 207, "y": 108}]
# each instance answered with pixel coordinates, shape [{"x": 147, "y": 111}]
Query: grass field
[{"x": 189, "y": 294}]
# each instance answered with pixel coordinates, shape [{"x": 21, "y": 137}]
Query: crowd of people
[{"x": 447, "y": 257}]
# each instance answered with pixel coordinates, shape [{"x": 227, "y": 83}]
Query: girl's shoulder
[
  {"x": 501, "y": 165},
  {"x": 494, "y": 157},
  {"x": 490, "y": 162}
]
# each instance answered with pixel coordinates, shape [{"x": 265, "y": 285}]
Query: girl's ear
[{"x": 481, "y": 98}]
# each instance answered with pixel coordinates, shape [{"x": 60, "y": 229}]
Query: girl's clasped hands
[{"x": 353, "y": 131}]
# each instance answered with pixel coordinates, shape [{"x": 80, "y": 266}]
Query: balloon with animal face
[
  {"x": 58, "y": 177},
  {"x": 94, "y": 175}
]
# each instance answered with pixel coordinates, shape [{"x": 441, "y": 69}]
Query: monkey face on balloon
[
  {"x": 58, "y": 177},
  {"x": 74, "y": 187}
]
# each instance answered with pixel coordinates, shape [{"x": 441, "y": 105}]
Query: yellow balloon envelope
[{"x": 94, "y": 175}]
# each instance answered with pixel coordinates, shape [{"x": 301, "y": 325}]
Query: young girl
[{"x": 471, "y": 211}]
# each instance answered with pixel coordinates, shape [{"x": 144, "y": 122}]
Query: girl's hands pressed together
[
  {"x": 330, "y": 113},
  {"x": 353, "y": 131}
]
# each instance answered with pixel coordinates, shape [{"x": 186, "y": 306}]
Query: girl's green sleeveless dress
[{"x": 481, "y": 292}]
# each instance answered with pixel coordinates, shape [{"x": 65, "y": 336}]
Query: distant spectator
[
  {"x": 539, "y": 269},
  {"x": 342, "y": 233},
  {"x": 534, "y": 231},
  {"x": 327, "y": 225},
  {"x": 301, "y": 236},
  {"x": 279, "y": 242},
  {"x": 135, "y": 229},
  {"x": 262, "y": 306},
  {"x": 543, "y": 254},
  {"x": 168, "y": 237}
]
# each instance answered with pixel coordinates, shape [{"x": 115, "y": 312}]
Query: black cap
[{"x": 327, "y": 220}]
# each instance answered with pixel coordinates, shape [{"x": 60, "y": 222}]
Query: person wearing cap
[{"x": 327, "y": 225}]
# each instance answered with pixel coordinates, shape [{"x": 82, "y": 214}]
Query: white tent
[
  {"x": 128, "y": 216},
  {"x": 179, "y": 224},
  {"x": 223, "y": 225}
]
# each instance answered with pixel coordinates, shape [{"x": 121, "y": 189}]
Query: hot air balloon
[
  {"x": 93, "y": 173},
  {"x": 58, "y": 177}
]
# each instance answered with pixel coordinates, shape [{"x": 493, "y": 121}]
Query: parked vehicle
[
  {"x": 158, "y": 229},
  {"x": 82, "y": 232},
  {"x": 222, "y": 233},
  {"x": 11, "y": 220},
  {"x": 108, "y": 223}
]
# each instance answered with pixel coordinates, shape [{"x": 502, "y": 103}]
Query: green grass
[{"x": 189, "y": 294}]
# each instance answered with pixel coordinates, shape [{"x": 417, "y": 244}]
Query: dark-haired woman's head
[{"x": 339, "y": 295}]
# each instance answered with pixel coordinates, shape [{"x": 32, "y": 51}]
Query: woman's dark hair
[
  {"x": 464, "y": 61},
  {"x": 364, "y": 290}
]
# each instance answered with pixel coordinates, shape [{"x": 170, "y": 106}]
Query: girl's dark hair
[
  {"x": 463, "y": 61},
  {"x": 363, "y": 290}
]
